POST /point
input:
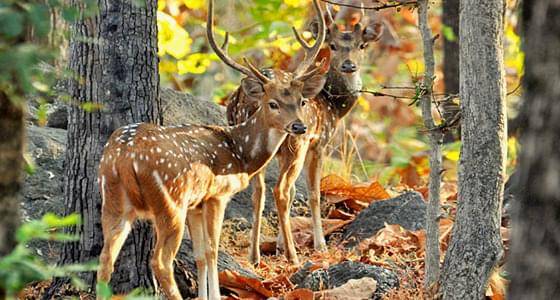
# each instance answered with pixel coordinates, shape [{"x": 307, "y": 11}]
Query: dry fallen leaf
[
  {"x": 299, "y": 294},
  {"x": 245, "y": 287},
  {"x": 334, "y": 185},
  {"x": 354, "y": 289}
]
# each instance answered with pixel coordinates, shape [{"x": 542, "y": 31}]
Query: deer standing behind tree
[
  {"x": 339, "y": 95},
  {"x": 166, "y": 173}
]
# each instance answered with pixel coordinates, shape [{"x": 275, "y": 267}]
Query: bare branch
[{"x": 380, "y": 7}]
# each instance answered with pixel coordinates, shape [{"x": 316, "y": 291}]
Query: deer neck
[
  {"x": 255, "y": 143},
  {"x": 342, "y": 91}
]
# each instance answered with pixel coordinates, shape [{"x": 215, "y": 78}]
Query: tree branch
[{"x": 380, "y": 7}]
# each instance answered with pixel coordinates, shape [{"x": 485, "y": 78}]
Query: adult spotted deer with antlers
[
  {"x": 343, "y": 83},
  {"x": 187, "y": 174}
]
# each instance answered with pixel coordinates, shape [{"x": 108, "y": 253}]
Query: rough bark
[
  {"x": 535, "y": 253},
  {"x": 114, "y": 58},
  {"x": 476, "y": 246},
  {"x": 435, "y": 140},
  {"x": 11, "y": 169}
]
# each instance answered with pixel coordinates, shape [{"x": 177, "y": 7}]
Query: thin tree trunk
[
  {"x": 476, "y": 245},
  {"x": 11, "y": 169},
  {"x": 117, "y": 69},
  {"x": 435, "y": 136},
  {"x": 535, "y": 239}
]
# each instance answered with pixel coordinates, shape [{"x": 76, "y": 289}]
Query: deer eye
[
  {"x": 273, "y": 105},
  {"x": 333, "y": 47},
  {"x": 363, "y": 46},
  {"x": 303, "y": 102}
]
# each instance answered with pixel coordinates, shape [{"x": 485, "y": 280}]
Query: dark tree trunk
[
  {"x": 476, "y": 245},
  {"x": 535, "y": 254},
  {"x": 118, "y": 69},
  {"x": 11, "y": 169},
  {"x": 450, "y": 18}
]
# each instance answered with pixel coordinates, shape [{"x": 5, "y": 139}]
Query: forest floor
[{"x": 393, "y": 247}]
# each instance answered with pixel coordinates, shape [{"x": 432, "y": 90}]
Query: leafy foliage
[
  {"x": 24, "y": 29},
  {"x": 21, "y": 267}
]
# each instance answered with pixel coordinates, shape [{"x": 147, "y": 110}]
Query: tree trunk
[
  {"x": 535, "y": 240},
  {"x": 118, "y": 69},
  {"x": 432, "y": 259},
  {"x": 450, "y": 18},
  {"x": 476, "y": 245},
  {"x": 11, "y": 170}
]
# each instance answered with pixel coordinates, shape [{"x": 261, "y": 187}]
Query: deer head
[
  {"x": 278, "y": 92},
  {"x": 347, "y": 47}
]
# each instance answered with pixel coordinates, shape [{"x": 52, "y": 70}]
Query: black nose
[
  {"x": 298, "y": 127},
  {"x": 348, "y": 67}
]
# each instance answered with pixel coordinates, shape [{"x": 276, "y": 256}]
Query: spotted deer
[
  {"x": 187, "y": 174},
  {"x": 338, "y": 96}
]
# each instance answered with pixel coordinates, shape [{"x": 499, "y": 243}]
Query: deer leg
[
  {"x": 116, "y": 226},
  {"x": 170, "y": 229},
  {"x": 196, "y": 230},
  {"x": 258, "y": 197},
  {"x": 291, "y": 164},
  {"x": 313, "y": 164},
  {"x": 213, "y": 218},
  {"x": 280, "y": 238}
]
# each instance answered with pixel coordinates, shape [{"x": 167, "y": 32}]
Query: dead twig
[{"x": 380, "y": 7}]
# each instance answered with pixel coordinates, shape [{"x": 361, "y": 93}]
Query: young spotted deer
[
  {"x": 172, "y": 175},
  {"x": 339, "y": 95}
]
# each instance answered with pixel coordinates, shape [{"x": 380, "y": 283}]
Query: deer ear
[
  {"x": 372, "y": 32},
  {"x": 313, "y": 85},
  {"x": 253, "y": 88}
]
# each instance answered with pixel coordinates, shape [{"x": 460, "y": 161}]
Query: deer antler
[
  {"x": 256, "y": 71},
  {"x": 222, "y": 51},
  {"x": 311, "y": 51}
]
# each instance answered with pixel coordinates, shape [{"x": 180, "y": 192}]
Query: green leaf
[
  {"x": 448, "y": 33},
  {"x": 29, "y": 168},
  {"x": 91, "y": 106},
  {"x": 103, "y": 290},
  {"x": 40, "y": 19},
  {"x": 70, "y": 14},
  {"x": 11, "y": 22},
  {"x": 54, "y": 221}
]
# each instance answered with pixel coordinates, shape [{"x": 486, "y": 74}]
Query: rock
[
  {"x": 42, "y": 190},
  {"x": 180, "y": 108},
  {"x": 185, "y": 269},
  {"x": 354, "y": 289},
  {"x": 407, "y": 210},
  {"x": 58, "y": 116},
  {"x": 341, "y": 273}
]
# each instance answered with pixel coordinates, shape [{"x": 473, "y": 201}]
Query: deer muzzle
[{"x": 297, "y": 127}]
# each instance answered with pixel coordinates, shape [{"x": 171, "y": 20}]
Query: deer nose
[
  {"x": 348, "y": 67},
  {"x": 298, "y": 127}
]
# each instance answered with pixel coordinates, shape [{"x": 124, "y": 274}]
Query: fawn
[
  {"x": 338, "y": 96},
  {"x": 165, "y": 174}
]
